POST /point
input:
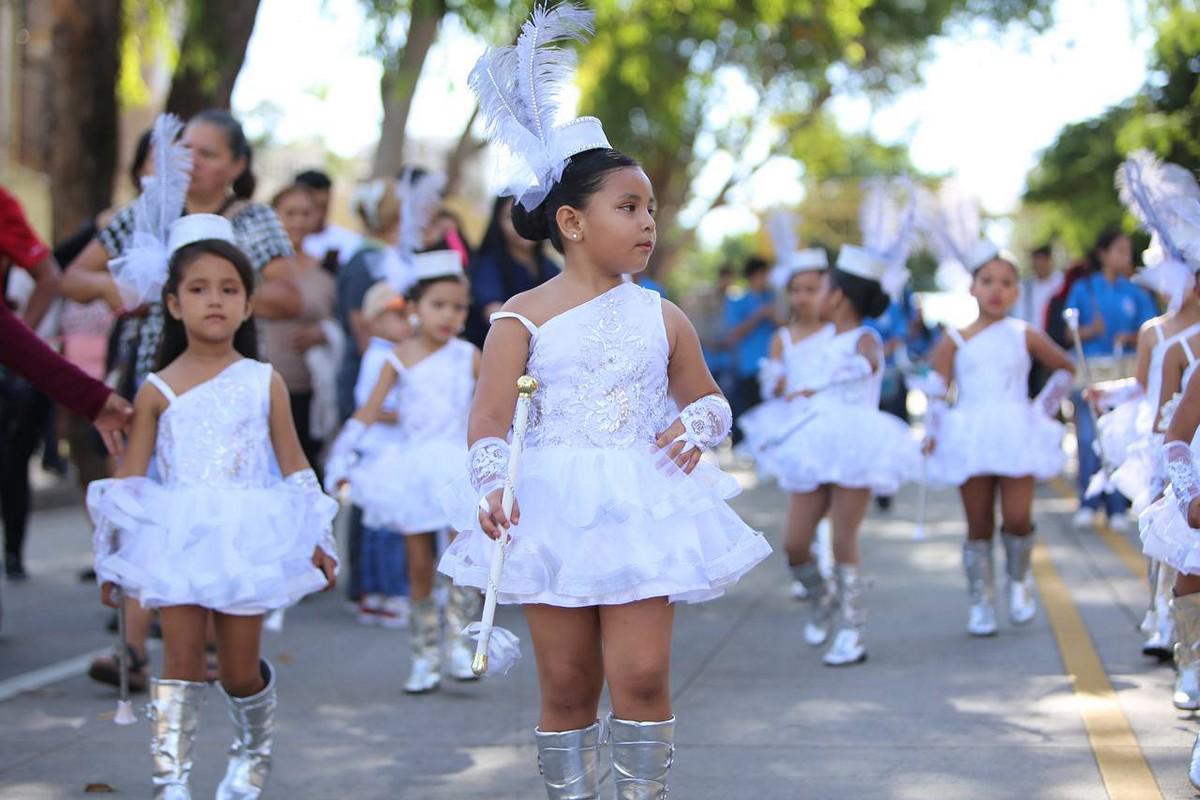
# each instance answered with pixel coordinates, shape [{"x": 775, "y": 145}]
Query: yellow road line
[
  {"x": 1125, "y": 551},
  {"x": 1119, "y": 757}
]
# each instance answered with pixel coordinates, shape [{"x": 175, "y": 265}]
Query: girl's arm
[
  {"x": 505, "y": 353},
  {"x": 373, "y": 411},
  {"x": 703, "y": 422},
  {"x": 1049, "y": 354},
  {"x": 936, "y": 390},
  {"x": 1187, "y": 417},
  {"x": 295, "y": 467},
  {"x": 147, "y": 407},
  {"x": 278, "y": 297},
  {"x": 1174, "y": 365},
  {"x": 1060, "y": 383},
  {"x": 772, "y": 374},
  {"x": 1177, "y": 453},
  {"x": 87, "y": 278},
  {"x": 1145, "y": 345}
]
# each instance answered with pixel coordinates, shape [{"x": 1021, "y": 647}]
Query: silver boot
[
  {"x": 462, "y": 608},
  {"x": 569, "y": 762},
  {"x": 979, "y": 565},
  {"x": 642, "y": 753},
  {"x": 1186, "y": 611},
  {"x": 174, "y": 717},
  {"x": 1018, "y": 553},
  {"x": 253, "y": 731},
  {"x": 1160, "y": 643},
  {"x": 820, "y": 602},
  {"x": 426, "y": 643},
  {"x": 848, "y": 647}
]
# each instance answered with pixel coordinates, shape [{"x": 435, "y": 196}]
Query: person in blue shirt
[
  {"x": 750, "y": 321},
  {"x": 1111, "y": 311}
]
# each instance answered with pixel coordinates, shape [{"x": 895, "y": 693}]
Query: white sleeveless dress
[
  {"x": 994, "y": 428},
  {"x": 398, "y": 483},
  {"x": 603, "y": 520},
  {"x": 220, "y": 530},
  {"x": 1166, "y": 536},
  {"x": 840, "y": 436},
  {"x": 802, "y": 363}
]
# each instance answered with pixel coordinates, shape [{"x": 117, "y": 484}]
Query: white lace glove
[
  {"x": 934, "y": 388},
  {"x": 306, "y": 481},
  {"x": 770, "y": 373},
  {"x": 1181, "y": 471},
  {"x": 706, "y": 423},
  {"x": 487, "y": 463},
  {"x": 343, "y": 455},
  {"x": 1050, "y": 399}
]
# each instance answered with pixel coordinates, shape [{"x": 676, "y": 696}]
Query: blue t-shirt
[
  {"x": 1123, "y": 306},
  {"x": 756, "y": 344}
]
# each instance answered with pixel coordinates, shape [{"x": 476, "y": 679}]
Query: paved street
[{"x": 932, "y": 714}]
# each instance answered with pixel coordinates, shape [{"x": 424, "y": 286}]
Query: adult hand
[
  {"x": 113, "y": 422},
  {"x": 307, "y": 337}
]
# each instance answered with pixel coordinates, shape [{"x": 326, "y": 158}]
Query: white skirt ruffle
[
  {"x": 606, "y": 527},
  {"x": 1011, "y": 440},
  {"x": 1135, "y": 478},
  {"x": 1167, "y": 537},
  {"x": 854, "y": 446},
  {"x": 1120, "y": 429},
  {"x": 769, "y": 422},
  {"x": 233, "y": 550},
  {"x": 398, "y": 486}
]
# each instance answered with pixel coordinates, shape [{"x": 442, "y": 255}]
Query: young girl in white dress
[
  {"x": 616, "y": 518},
  {"x": 398, "y": 485},
  {"x": 994, "y": 440},
  {"x": 219, "y": 534}
]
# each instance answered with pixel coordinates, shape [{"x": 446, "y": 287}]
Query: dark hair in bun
[
  {"x": 867, "y": 296},
  {"x": 582, "y": 178}
]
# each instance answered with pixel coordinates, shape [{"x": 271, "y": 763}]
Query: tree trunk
[
  {"x": 83, "y": 110},
  {"x": 399, "y": 83},
  {"x": 211, "y": 54}
]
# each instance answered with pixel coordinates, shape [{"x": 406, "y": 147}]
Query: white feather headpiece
[
  {"x": 887, "y": 218},
  {"x": 519, "y": 90},
  {"x": 141, "y": 270},
  {"x": 1161, "y": 195},
  {"x": 420, "y": 197},
  {"x": 953, "y": 226},
  {"x": 789, "y": 257}
]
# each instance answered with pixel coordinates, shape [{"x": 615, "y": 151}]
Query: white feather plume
[
  {"x": 420, "y": 197},
  {"x": 888, "y": 219},
  {"x": 1152, "y": 190},
  {"x": 952, "y": 226},
  {"x": 520, "y": 91},
  {"x": 141, "y": 270}
]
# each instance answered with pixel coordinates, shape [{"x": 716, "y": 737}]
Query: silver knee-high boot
[
  {"x": 1186, "y": 611},
  {"x": 462, "y": 608},
  {"x": 174, "y": 717},
  {"x": 1018, "y": 553},
  {"x": 426, "y": 644},
  {"x": 1161, "y": 639},
  {"x": 642, "y": 753},
  {"x": 979, "y": 565},
  {"x": 569, "y": 762},
  {"x": 253, "y": 732},
  {"x": 820, "y": 602},
  {"x": 848, "y": 647}
]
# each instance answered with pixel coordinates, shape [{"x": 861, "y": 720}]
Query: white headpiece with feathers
[
  {"x": 789, "y": 257},
  {"x": 141, "y": 270},
  {"x": 420, "y": 197},
  {"x": 1164, "y": 197},
  {"x": 519, "y": 89},
  {"x": 887, "y": 218},
  {"x": 953, "y": 226}
]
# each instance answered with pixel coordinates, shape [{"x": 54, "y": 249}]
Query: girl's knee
[
  {"x": 243, "y": 679},
  {"x": 646, "y": 683}
]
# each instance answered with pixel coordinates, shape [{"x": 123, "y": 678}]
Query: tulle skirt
[
  {"x": 398, "y": 486},
  {"x": 1136, "y": 476},
  {"x": 608, "y": 526},
  {"x": 1167, "y": 537},
  {"x": 857, "y": 447},
  {"x": 234, "y": 550},
  {"x": 770, "y": 422},
  {"x": 1120, "y": 429},
  {"x": 1011, "y": 440}
]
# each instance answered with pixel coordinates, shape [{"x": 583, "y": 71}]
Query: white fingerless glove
[
  {"x": 1181, "y": 472},
  {"x": 934, "y": 388},
  {"x": 1050, "y": 399},
  {"x": 706, "y": 423},
  {"x": 343, "y": 455},
  {"x": 487, "y": 463}
]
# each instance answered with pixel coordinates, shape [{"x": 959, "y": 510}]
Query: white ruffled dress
[
  {"x": 994, "y": 428},
  {"x": 802, "y": 364},
  {"x": 840, "y": 437},
  {"x": 220, "y": 530},
  {"x": 398, "y": 483},
  {"x": 603, "y": 521}
]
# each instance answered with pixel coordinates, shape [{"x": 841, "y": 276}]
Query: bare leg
[
  {"x": 979, "y": 503},
  {"x": 637, "y": 658},
  {"x": 1016, "y": 505},
  {"x": 421, "y": 564},
  {"x": 847, "y": 509},
  {"x": 183, "y": 642},
  {"x": 239, "y": 642},
  {"x": 570, "y": 664},
  {"x": 805, "y": 510},
  {"x": 979, "y": 507}
]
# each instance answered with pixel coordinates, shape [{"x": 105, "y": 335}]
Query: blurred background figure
[
  {"x": 750, "y": 321},
  {"x": 329, "y": 243}
]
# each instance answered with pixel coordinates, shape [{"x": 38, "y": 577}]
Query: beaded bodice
[
  {"x": 601, "y": 369},
  {"x": 433, "y": 396},
  {"x": 217, "y": 434},
  {"x": 993, "y": 365}
]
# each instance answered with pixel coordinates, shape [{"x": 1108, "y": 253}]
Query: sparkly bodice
[
  {"x": 993, "y": 365},
  {"x": 217, "y": 434},
  {"x": 601, "y": 369},
  {"x": 834, "y": 368},
  {"x": 433, "y": 396},
  {"x": 804, "y": 360}
]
